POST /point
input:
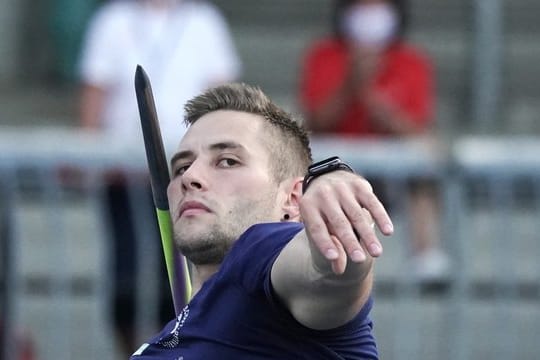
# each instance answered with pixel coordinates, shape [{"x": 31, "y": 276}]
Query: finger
[
  {"x": 340, "y": 225},
  {"x": 340, "y": 264},
  {"x": 365, "y": 228},
  {"x": 371, "y": 202},
  {"x": 362, "y": 223},
  {"x": 318, "y": 231}
]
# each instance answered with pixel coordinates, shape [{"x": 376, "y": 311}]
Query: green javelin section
[{"x": 165, "y": 229}]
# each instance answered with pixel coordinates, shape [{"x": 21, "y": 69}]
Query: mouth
[{"x": 192, "y": 208}]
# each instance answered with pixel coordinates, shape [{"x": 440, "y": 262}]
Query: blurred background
[{"x": 56, "y": 268}]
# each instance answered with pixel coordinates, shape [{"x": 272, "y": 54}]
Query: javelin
[{"x": 159, "y": 179}]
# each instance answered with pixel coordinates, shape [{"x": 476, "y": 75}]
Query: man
[{"x": 276, "y": 273}]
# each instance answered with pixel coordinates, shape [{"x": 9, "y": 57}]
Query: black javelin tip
[
  {"x": 157, "y": 163},
  {"x": 141, "y": 78}
]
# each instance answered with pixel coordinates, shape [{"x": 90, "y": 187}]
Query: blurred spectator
[
  {"x": 185, "y": 47},
  {"x": 367, "y": 80},
  {"x": 67, "y": 22}
]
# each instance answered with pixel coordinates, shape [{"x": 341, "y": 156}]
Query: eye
[
  {"x": 227, "y": 163},
  {"x": 180, "y": 170}
]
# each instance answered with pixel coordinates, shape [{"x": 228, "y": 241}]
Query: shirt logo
[{"x": 172, "y": 339}]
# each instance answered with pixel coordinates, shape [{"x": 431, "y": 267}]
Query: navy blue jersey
[{"x": 236, "y": 314}]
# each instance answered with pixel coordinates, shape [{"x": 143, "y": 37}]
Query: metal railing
[{"x": 55, "y": 244}]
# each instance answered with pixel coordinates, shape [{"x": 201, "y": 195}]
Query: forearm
[
  {"x": 324, "y": 274},
  {"x": 91, "y": 105},
  {"x": 317, "y": 296},
  {"x": 325, "y": 117},
  {"x": 394, "y": 120},
  {"x": 334, "y": 303},
  {"x": 398, "y": 124}
]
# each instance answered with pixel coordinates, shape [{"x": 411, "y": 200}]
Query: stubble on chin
[
  {"x": 210, "y": 245},
  {"x": 204, "y": 248}
]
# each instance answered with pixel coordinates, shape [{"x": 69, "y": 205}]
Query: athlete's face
[{"x": 221, "y": 184}]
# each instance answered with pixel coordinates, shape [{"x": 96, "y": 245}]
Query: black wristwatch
[{"x": 322, "y": 167}]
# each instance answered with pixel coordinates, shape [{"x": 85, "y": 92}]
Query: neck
[{"x": 200, "y": 274}]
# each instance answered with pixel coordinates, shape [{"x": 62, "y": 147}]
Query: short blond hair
[{"x": 287, "y": 140}]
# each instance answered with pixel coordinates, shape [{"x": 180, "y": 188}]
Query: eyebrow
[{"x": 220, "y": 146}]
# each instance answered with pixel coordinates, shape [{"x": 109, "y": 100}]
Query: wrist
[{"x": 322, "y": 167}]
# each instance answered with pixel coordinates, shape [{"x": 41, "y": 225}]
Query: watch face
[{"x": 325, "y": 164}]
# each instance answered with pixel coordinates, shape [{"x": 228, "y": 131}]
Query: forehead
[{"x": 225, "y": 126}]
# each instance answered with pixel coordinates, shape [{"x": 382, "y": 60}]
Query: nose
[{"x": 193, "y": 177}]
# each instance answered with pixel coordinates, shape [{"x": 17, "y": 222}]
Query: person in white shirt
[{"x": 185, "y": 47}]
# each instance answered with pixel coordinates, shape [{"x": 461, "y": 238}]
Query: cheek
[
  {"x": 248, "y": 186},
  {"x": 235, "y": 195},
  {"x": 173, "y": 191}
]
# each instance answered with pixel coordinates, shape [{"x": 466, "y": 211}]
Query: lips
[{"x": 191, "y": 208}]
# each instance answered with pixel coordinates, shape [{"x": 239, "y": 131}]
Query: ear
[{"x": 291, "y": 205}]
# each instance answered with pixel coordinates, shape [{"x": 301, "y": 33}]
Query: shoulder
[
  {"x": 266, "y": 236},
  {"x": 325, "y": 53},
  {"x": 251, "y": 258},
  {"x": 326, "y": 45}
]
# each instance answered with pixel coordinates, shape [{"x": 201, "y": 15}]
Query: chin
[
  {"x": 192, "y": 224},
  {"x": 190, "y": 235},
  {"x": 202, "y": 248}
]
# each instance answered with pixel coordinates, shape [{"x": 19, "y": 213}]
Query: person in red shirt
[{"x": 367, "y": 80}]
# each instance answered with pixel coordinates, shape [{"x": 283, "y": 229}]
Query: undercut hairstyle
[{"x": 286, "y": 139}]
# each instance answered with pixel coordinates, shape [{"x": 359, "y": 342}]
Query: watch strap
[{"x": 322, "y": 167}]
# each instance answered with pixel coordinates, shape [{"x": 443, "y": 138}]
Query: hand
[
  {"x": 387, "y": 116},
  {"x": 364, "y": 63},
  {"x": 339, "y": 211},
  {"x": 381, "y": 109}
]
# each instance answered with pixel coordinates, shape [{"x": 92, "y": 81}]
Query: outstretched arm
[{"x": 324, "y": 275}]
